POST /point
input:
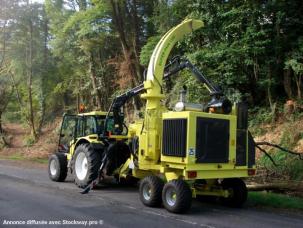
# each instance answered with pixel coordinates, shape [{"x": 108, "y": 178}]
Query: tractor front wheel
[
  {"x": 177, "y": 196},
  {"x": 237, "y": 190},
  {"x": 85, "y": 165},
  {"x": 57, "y": 167},
  {"x": 150, "y": 191}
]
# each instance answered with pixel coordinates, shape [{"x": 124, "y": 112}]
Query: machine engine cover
[{"x": 212, "y": 140}]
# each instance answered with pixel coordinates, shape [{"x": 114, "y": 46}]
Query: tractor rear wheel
[
  {"x": 57, "y": 167},
  {"x": 238, "y": 192},
  {"x": 177, "y": 196},
  {"x": 86, "y": 164},
  {"x": 150, "y": 191}
]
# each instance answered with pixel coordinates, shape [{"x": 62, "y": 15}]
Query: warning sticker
[{"x": 191, "y": 152}]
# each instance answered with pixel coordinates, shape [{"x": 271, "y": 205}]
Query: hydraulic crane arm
[
  {"x": 116, "y": 105},
  {"x": 218, "y": 102},
  {"x": 177, "y": 64}
]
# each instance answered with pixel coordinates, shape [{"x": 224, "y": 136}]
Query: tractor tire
[
  {"x": 177, "y": 196},
  {"x": 57, "y": 167},
  {"x": 150, "y": 191},
  {"x": 85, "y": 165},
  {"x": 238, "y": 191}
]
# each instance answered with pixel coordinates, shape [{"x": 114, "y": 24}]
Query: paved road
[{"x": 27, "y": 196}]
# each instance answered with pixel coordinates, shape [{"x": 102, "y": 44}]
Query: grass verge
[
  {"x": 20, "y": 157},
  {"x": 40, "y": 160},
  {"x": 275, "y": 200}
]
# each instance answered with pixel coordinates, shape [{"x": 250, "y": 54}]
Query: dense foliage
[{"x": 60, "y": 53}]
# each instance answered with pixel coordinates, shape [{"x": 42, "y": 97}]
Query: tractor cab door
[{"x": 67, "y": 132}]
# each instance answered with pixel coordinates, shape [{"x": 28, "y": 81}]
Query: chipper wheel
[
  {"x": 238, "y": 192},
  {"x": 177, "y": 196},
  {"x": 57, "y": 167},
  {"x": 85, "y": 165},
  {"x": 150, "y": 191}
]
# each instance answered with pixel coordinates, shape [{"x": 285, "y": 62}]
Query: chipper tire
[
  {"x": 150, "y": 191},
  {"x": 85, "y": 165},
  {"x": 177, "y": 196},
  {"x": 57, "y": 167},
  {"x": 238, "y": 190}
]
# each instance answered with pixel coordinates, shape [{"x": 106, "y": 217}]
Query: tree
[
  {"x": 5, "y": 33},
  {"x": 296, "y": 65},
  {"x": 27, "y": 54},
  {"x": 82, "y": 38},
  {"x": 244, "y": 45}
]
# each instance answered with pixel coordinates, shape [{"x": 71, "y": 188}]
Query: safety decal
[{"x": 191, "y": 152}]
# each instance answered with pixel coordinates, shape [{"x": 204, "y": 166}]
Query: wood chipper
[{"x": 193, "y": 150}]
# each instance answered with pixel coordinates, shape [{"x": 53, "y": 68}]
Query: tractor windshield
[
  {"x": 94, "y": 125},
  {"x": 100, "y": 124},
  {"x": 88, "y": 125}
]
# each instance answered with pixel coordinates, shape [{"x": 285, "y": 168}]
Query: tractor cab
[{"x": 74, "y": 127}]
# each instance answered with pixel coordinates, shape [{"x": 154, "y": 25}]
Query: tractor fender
[{"x": 97, "y": 146}]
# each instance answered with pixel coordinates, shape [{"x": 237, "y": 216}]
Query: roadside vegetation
[
  {"x": 21, "y": 157},
  {"x": 274, "y": 200},
  {"x": 285, "y": 128}
]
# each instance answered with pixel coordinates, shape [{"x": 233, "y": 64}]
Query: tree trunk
[
  {"x": 136, "y": 39},
  {"x": 287, "y": 82},
  {"x": 6, "y": 98},
  {"x": 29, "y": 81},
  {"x": 45, "y": 63},
  {"x": 252, "y": 85},
  {"x": 272, "y": 104},
  {"x": 1, "y": 129},
  {"x": 2, "y": 137},
  {"x": 129, "y": 57},
  {"x": 78, "y": 103},
  {"x": 18, "y": 96},
  {"x": 94, "y": 81},
  {"x": 127, "y": 52},
  {"x": 298, "y": 83}
]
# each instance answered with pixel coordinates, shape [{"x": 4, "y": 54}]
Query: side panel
[
  {"x": 212, "y": 140},
  {"x": 251, "y": 150},
  {"x": 241, "y": 147}
]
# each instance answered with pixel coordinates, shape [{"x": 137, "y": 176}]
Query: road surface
[{"x": 29, "y": 199}]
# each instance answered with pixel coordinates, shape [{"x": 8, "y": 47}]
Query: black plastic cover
[
  {"x": 212, "y": 140},
  {"x": 242, "y": 115},
  {"x": 241, "y": 147},
  {"x": 251, "y": 150}
]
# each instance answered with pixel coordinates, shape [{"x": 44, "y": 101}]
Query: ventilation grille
[{"x": 174, "y": 137}]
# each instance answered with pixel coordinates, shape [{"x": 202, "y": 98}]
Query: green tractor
[{"x": 80, "y": 147}]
